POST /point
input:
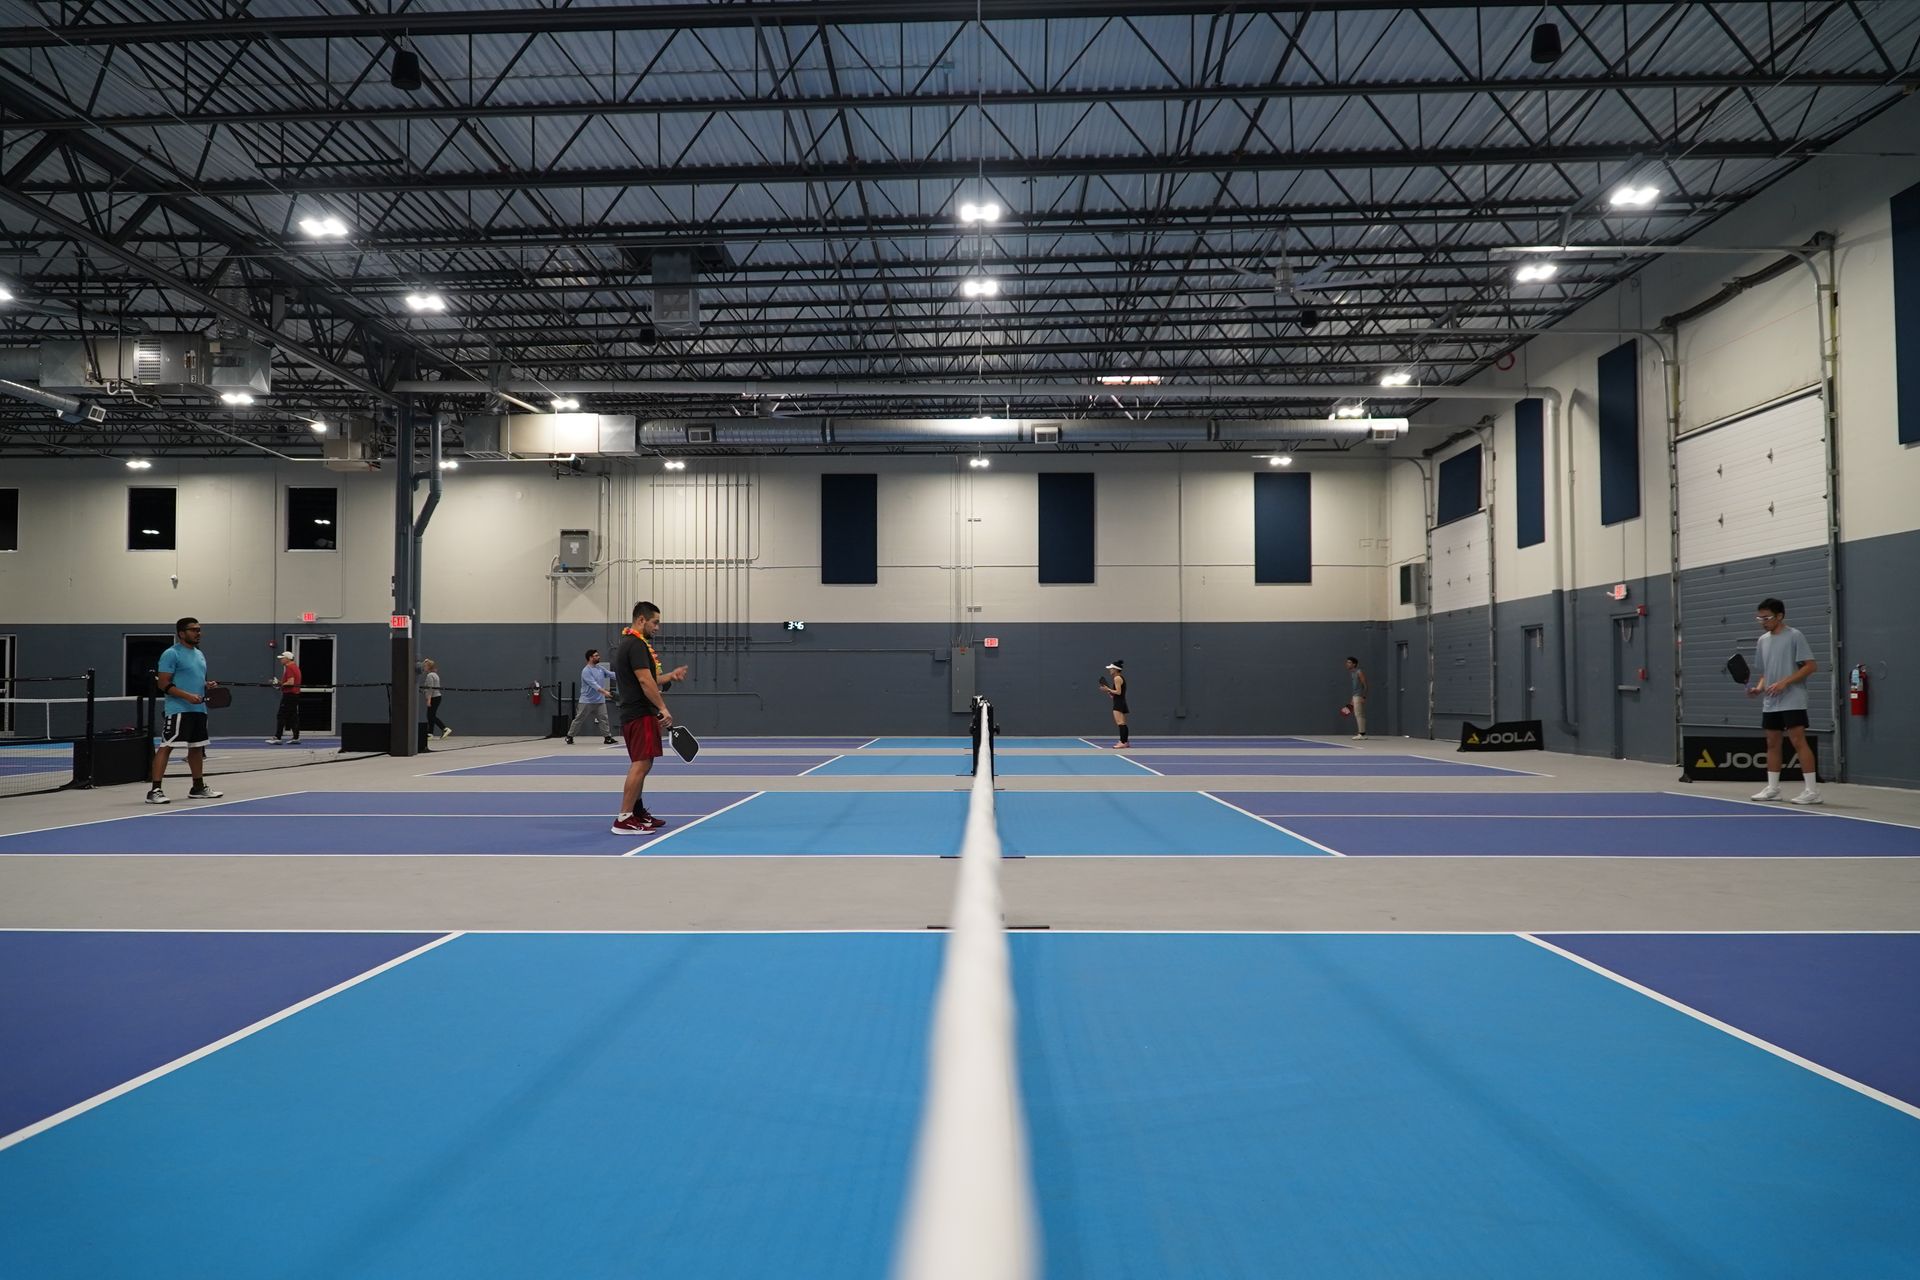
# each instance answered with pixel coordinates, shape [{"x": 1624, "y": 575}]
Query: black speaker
[
  {"x": 406, "y": 69},
  {"x": 1546, "y": 44}
]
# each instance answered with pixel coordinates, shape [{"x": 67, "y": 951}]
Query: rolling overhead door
[
  {"x": 1753, "y": 523},
  {"x": 1462, "y": 617}
]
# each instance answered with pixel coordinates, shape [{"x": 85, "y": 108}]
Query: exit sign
[
  {"x": 400, "y": 622},
  {"x": 309, "y": 617},
  {"x": 991, "y": 642}
]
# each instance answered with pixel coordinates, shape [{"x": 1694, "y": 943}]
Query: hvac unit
[
  {"x": 1046, "y": 435},
  {"x": 152, "y": 362},
  {"x": 1383, "y": 435},
  {"x": 354, "y": 447},
  {"x": 700, "y": 433},
  {"x": 239, "y": 364}
]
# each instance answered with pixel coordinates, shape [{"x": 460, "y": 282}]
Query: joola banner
[
  {"x": 1736, "y": 759},
  {"x": 1508, "y": 735}
]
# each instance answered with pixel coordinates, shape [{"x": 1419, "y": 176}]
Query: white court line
[
  {"x": 1829, "y": 1073},
  {"x": 1798, "y": 810},
  {"x": 153, "y": 811},
  {"x": 823, "y": 764},
  {"x": 869, "y": 742},
  {"x": 80, "y": 1108},
  {"x": 1270, "y": 822},
  {"x": 691, "y": 825},
  {"x": 1135, "y": 763},
  {"x": 441, "y": 816},
  {"x": 923, "y": 931},
  {"x": 1527, "y": 817}
]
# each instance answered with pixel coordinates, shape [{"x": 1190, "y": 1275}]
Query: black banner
[
  {"x": 1737, "y": 759},
  {"x": 1508, "y": 735}
]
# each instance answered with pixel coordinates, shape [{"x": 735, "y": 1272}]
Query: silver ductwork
[
  {"x": 163, "y": 363},
  {"x": 723, "y": 433},
  {"x": 69, "y": 409},
  {"x": 505, "y": 437}
]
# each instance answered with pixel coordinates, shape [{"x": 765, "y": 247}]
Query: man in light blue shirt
[
  {"x": 594, "y": 682},
  {"x": 182, "y": 676},
  {"x": 1783, "y": 662}
]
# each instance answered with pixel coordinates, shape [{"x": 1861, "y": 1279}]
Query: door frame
[{"x": 291, "y": 642}]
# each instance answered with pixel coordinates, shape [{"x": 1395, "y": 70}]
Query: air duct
[
  {"x": 69, "y": 409},
  {"x": 721, "y": 433},
  {"x": 506, "y": 437},
  {"x": 162, "y": 363}
]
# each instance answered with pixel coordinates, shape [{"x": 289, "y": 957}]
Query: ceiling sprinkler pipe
[{"x": 991, "y": 391}]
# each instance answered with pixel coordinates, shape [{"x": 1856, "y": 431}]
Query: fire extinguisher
[
  {"x": 536, "y": 693},
  {"x": 1857, "y": 690}
]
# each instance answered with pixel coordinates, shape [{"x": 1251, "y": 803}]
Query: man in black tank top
[{"x": 1115, "y": 687}]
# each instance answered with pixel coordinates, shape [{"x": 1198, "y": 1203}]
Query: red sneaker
[
  {"x": 650, "y": 823},
  {"x": 631, "y": 824}
]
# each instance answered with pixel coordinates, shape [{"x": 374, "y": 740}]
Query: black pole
[{"x": 84, "y": 780}]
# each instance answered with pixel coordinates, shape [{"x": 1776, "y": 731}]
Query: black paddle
[
  {"x": 684, "y": 742},
  {"x": 1737, "y": 668}
]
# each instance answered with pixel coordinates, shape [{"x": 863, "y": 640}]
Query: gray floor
[{"x": 1505, "y": 894}]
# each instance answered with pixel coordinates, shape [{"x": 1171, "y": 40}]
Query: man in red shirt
[{"x": 288, "y": 716}]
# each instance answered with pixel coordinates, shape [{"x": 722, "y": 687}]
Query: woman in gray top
[{"x": 430, "y": 689}]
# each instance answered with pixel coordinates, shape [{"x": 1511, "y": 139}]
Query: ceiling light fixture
[
  {"x": 236, "y": 398},
  {"x": 1534, "y": 271},
  {"x": 676, "y": 464},
  {"x": 405, "y": 75},
  {"x": 323, "y": 522},
  {"x": 327, "y": 228},
  {"x": 1399, "y": 379},
  {"x": 449, "y": 464},
  {"x": 985, "y": 211},
  {"x": 139, "y": 464},
  {"x": 1350, "y": 411},
  {"x": 980, "y": 286},
  {"x": 565, "y": 404},
  {"x": 426, "y": 302},
  {"x": 978, "y": 463},
  {"x": 1129, "y": 379},
  {"x": 1632, "y": 197},
  {"x": 318, "y": 427},
  {"x": 6, "y": 295}
]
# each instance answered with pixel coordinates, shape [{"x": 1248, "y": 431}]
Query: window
[
  {"x": 1283, "y": 527},
  {"x": 1619, "y": 414},
  {"x": 9, "y": 519},
  {"x": 850, "y": 528},
  {"x": 1529, "y": 473},
  {"x": 313, "y": 519},
  {"x": 1906, "y": 313},
  {"x": 1066, "y": 526},
  {"x": 149, "y": 519},
  {"x": 1459, "y": 495}
]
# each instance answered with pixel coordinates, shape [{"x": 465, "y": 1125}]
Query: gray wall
[{"x": 1880, "y": 618}]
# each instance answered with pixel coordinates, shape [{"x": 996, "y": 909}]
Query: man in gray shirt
[{"x": 1784, "y": 661}]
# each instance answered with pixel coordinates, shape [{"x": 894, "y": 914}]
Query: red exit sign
[
  {"x": 991, "y": 642},
  {"x": 400, "y": 622},
  {"x": 309, "y": 617}
]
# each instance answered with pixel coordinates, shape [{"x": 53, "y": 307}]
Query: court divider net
[{"x": 970, "y": 1211}]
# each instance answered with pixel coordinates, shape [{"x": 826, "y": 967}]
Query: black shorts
[
  {"x": 1783, "y": 719},
  {"x": 1120, "y": 705},
  {"x": 185, "y": 729}
]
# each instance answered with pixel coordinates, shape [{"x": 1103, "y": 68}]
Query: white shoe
[
  {"x": 446, "y": 733},
  {"x": 1767, "y": 793},
  {"x": 274, "y": 741},
  {"x": 1359, "y": 737},
  {"x": 156, "y": 796},
  {"x": 1809, "y": 796}
]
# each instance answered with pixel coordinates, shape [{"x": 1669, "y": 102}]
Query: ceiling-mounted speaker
[
  {"x": 406, "y": 70},
  {"x": 1309, "y": 318},
  {"x": 1546, "y": 44}
]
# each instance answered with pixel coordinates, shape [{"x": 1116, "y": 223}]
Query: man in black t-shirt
[{"x": 638, "y": 687}]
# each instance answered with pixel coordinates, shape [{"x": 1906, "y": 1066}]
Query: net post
[{"x": 85, "y": 781}]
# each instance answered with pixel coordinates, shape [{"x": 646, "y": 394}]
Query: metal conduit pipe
[
  {"x": 795, "y": 387},
  {"x": 69, "y": 409}
]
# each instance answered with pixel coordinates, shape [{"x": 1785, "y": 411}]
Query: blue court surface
[
  {"x": 1006, "y": 764},
  {"x": 1032, "y": 824},
  {"x": 1355, "y": 765},
  {"x": 1220, "y": 742},
  {"x": 613, "y": 764},
  {"x": 1573, "y": 825},
  {"x": 744, "y": 1105},
  {"x": 375, "y": 823}
]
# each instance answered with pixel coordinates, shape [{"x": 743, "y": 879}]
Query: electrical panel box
[{"x": 576, "y": 551}]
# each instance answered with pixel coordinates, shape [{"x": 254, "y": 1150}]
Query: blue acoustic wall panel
[
  {"x": 1459, "y": 494},
  {"x": 1283, "y": 527},
  {"x": 1619, "y": 379},
  {"x": 1906, "y": 312},
  {"x": 1529, "y": 474},
  {"x": 849, "y": 528},
  {"x": 1066, "y": 526}
]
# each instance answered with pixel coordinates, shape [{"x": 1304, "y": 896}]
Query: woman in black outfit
[{"x": 1115, "y": 687}]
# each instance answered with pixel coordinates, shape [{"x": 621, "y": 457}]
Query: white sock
[{"x": 1773, "y": 779}]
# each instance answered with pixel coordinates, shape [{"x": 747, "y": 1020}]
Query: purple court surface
[
  {"x": 1354, "y": 765},
  {"x": 1836, "y": 999},
  {"x": 1219, "y": 743},
  {"x": 613, "y": 764}
]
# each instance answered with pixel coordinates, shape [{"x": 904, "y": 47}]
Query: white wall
[
  {"x": 1755, "y": 348},
  {"x": 728, "y": 541}
]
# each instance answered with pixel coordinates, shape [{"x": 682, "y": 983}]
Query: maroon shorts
[{"x": 643, "y": 738}]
